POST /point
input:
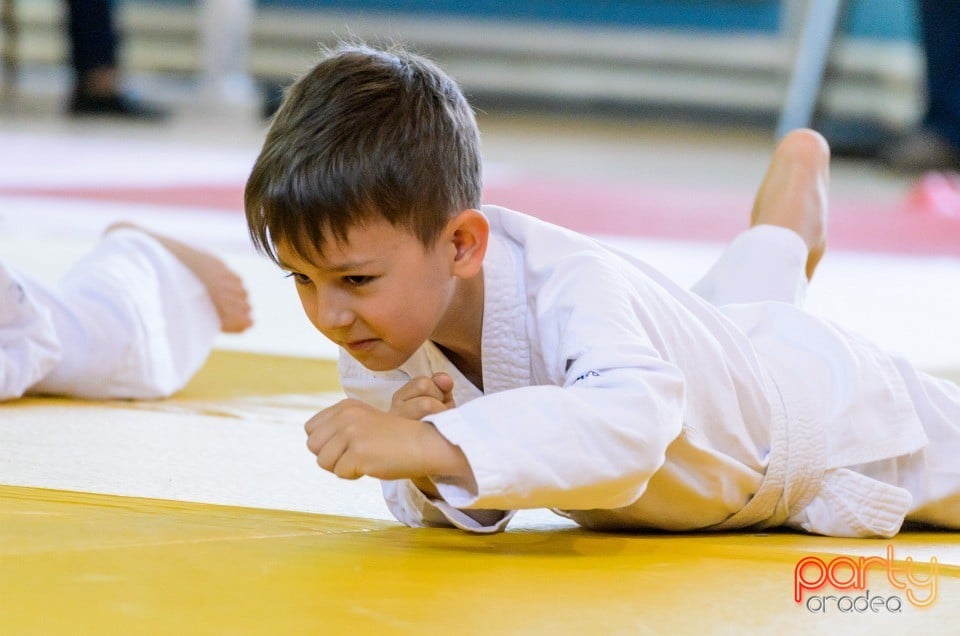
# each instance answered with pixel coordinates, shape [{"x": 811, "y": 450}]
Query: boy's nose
[{"x": 332, "y": 315}]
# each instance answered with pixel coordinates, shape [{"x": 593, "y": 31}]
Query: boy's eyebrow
[{"x": 334, "y": 269}]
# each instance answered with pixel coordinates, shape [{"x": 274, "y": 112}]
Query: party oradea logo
[{"x": 864, "y": 585}]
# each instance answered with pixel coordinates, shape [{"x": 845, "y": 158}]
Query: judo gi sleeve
[
  {"x": 596, "y": 429},
  {"x": 407, "y": 502}
]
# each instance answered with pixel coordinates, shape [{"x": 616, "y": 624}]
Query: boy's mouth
[{"x": 361, "y": 345}]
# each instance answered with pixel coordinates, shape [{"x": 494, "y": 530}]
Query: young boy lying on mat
[
  {"x": 495, "y": 362},
  {"x": 134, "y": 318}
]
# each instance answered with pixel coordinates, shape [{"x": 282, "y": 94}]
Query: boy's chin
[{"x": 378, "y": 364}]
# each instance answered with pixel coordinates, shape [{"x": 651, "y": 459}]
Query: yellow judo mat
[{"x": 77, "y": 563}]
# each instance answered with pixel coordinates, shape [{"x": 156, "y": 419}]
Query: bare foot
[
  {"x": 793, "y": 193},
  {"x": 224, "y": 286}
]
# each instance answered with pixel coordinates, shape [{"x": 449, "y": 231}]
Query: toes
[{"x": 804, "y": 143}]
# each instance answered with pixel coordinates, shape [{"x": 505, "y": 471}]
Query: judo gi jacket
[{"x": 621, "y": 400}]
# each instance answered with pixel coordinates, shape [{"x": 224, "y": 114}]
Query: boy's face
[{"x": 380, "y": 295}]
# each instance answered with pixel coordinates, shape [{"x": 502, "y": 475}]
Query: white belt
[{"x": 795, "y": 466}]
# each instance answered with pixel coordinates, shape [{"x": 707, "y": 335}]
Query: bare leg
[
  {"x": 224, "y": 286},
  {"x": 793, "y": 193}
]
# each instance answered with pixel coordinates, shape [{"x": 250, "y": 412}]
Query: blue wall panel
[
  {"x": 710, "y": 15},
  {"x": 883, "y": 19}
]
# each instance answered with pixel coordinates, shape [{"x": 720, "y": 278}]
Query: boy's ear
[{"x": 468, "y": 233}]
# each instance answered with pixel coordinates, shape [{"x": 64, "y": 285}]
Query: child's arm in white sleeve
[
  {"x": 405, "y": 500},
  {"x": 605, "y": 406},
  {"x": 592, "y": 444}
]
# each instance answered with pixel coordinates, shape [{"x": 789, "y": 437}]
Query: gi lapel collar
[{"x": 504, "y": 347}]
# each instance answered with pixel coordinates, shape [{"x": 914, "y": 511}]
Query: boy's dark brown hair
[{"x": 365, "y": 133}]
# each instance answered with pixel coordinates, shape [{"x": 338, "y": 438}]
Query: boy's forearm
[{"x": 443, "y": 460}]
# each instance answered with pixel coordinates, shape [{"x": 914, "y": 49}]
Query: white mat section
[
  {"x": 95, "y": 158},
  {"x": 256, "y": 461}
]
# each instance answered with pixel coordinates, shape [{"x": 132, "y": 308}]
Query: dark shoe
[
  {"x": 853, "y": 138},
  {"x": 117, "y": 105},
  {"x": 920, "y": 151}
]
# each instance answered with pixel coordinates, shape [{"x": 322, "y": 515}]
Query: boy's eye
[
  {"x": 299, "y": 279},
  {"x": 357, "y": 281}
]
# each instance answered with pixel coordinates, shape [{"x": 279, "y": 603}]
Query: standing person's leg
[
  {"x": 940, "y": 24},
  {"x": 93, "y": 48},
  {"x": 935, "y": 143},
  {"x": 94, "y": 42},
  {"x": 137, "y": 318},
  {"x": 29, "y": 348},
  {"x": 767, "y": 262}
]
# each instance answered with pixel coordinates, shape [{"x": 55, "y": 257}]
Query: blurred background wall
[{"x": 721, "y": 59}]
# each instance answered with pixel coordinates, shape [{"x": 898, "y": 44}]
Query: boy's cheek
[{"x": 309, "y": 307}]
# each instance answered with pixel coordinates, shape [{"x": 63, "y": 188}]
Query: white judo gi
[
  {"x": 620, "y": 400},
  {"x": 128, "y": 320}
]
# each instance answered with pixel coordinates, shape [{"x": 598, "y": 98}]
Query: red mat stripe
[{"x": 614, "y": 209}]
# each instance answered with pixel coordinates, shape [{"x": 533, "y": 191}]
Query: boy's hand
[
  {"x": 423, "y": 396},
  {"x": 418, "y": 398},
  {"x": 352, "y": 439}
]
